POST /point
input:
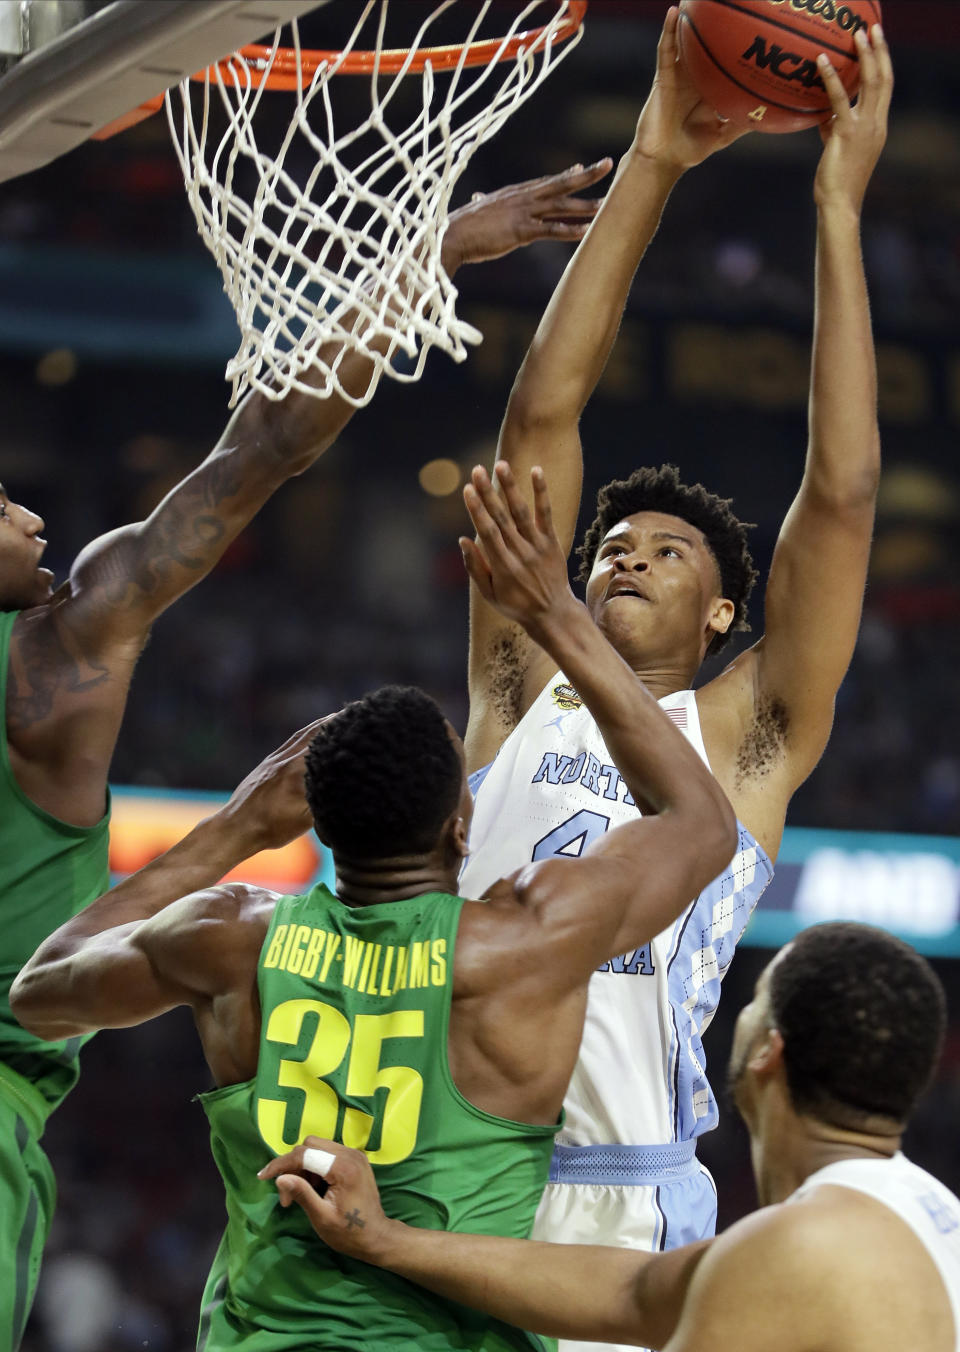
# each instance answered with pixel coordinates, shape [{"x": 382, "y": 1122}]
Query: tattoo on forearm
[{"x": 221, "y": 478}]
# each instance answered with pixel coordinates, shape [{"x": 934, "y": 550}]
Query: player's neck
[
  {"x": 794, "y": 1147},
  {"x": 663, "y": 678},
  {"x": 368, "y": 882}
]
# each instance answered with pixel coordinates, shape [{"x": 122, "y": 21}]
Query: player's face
[
  {"x": 753, "y": 1023},
  {"x": 23, "y": 583},
  {"x": 654, "y": 587},
  {"x": 465, "y": 806}
]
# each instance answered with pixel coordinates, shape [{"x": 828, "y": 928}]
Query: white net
[{"x": 330, "y": 243}]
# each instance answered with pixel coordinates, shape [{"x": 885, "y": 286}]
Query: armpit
[
  {"x": 764, "y": 744},
  {"x": 506, "y": 664}
]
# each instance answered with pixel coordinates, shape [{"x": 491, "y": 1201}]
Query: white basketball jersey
[
  {"x": 641, "y": 1076},
  {"x": 920, "y": 1200}
]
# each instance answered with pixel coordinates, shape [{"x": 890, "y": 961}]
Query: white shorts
[{"x": 672, "y": 1202}]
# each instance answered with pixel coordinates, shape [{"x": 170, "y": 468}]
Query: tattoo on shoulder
[
  {"x": 763, "y": 746},
  {"x": 184, "y": 537},
  {"x": 45, "y": 669},
  {"x": 507, "y": 667}
]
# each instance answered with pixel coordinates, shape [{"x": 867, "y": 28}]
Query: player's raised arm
[
  {"x": 72, "y": 658},
  {"x": 98, "y": 970},
  {"x": 566, "y": 359},
  {"x": 120, "y": 583},
  {"x": 689, "y": 834},
  {"x": 815, "y": 589}
]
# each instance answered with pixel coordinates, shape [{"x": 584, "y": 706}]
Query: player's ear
[
  {"x": 460, "y": 835},
  {"x": 721, "y": 615},
  {"x": 767, "y": 1056}
]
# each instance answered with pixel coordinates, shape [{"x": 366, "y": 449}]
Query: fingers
[
  {"x": 543, "y": 511},
  {"x": 489, "y": 514},
  {"x": 566, "y": 231},
  {"x": 477, "y": 568},
  {"x": 304, "y": 1157},
  {"x": 667, "y": 46},
  {"x": 884, "y": 67},
  {"x": 571, "y": 209},
  {"x": 300, "y": 739},
  {"x": 876, "y": 72},
  {"x": 294, "y": 1188},
  {"x": 876, "y": 82},
  {"x": 867, "y": 93},
  {"x": 576, "y": 178},
  {"x": 839, "y": 100},
  {"x": 514, "y": 499}
]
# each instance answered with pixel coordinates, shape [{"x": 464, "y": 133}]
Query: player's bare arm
[
  {"x": 558, "y": 1290},
  {"x": 517, "y": 565},
  {"x": 799, "y": 1278},
  {"x": 572, "y": 914},
  {"x": 566, "y": 359},
  {"x": 767, "y": 719},
  {"x": 72, "y": 658},
  {"x": 132, "y": 953}
]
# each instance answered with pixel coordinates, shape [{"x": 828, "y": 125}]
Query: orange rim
[
  {"x": 289, "y": 68},
  {"x": 282, "y": 72}
]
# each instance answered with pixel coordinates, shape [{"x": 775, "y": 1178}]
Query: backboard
[{"x": 73, "y": 66}]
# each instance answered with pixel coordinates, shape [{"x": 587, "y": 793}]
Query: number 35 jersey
[
  {"x": 552, "y": 790},
  {"x": 355, "y": 1012}
]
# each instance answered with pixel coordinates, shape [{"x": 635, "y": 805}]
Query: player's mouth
[{"x": 627, "y": 590}]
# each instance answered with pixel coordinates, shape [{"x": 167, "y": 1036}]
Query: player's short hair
[
  {"x": 383, "y": 775},
  {"x": 862, "y": 1017},
  {"x": 661, "y": 490}
]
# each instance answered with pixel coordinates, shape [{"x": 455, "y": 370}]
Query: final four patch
[{"x": 565, "y": 697}]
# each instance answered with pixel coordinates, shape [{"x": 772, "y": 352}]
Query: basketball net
[{"x": 332, "y": 244}]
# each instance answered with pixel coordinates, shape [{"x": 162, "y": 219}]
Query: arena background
[{"x": 113, "y": 338}]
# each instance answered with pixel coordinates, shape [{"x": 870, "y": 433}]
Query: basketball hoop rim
[{"x": 286, "y": 68}]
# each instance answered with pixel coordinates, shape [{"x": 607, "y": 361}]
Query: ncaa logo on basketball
[
  {"x": 565, "y": 697},
  {"x": 784, "y": 65}
]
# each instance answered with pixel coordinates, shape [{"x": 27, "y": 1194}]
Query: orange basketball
[{"x": 755, "y": 61}]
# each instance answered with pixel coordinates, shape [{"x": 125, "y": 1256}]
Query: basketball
[{"x": 755, "y": 61}]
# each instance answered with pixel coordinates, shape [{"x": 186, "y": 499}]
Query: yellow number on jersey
[{"x": 321, "y": 1106}]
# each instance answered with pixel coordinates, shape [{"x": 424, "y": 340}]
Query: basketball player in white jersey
[
  {"x": 667, "y": 576},
  {"x": 856, "y": 1249}
]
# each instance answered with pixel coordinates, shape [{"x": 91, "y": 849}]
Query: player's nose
[
  {"x": 630, "y": 563},
  {"x": 32, "y": 523}
]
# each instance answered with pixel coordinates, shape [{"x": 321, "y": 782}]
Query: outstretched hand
[
  {"x": 516, "y": 560},
  {"x": 676, "y": 127},
  {"x": 347, "y": 1215},
  {"x": 854, "y": 136},
  {"x": 269, "y": 804},
  {"x": 496, "y": 223}
]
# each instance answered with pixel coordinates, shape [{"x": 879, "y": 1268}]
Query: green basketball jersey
[
  {"x": 49, "y": 871},
  {"x": 355, "y": 1009}
]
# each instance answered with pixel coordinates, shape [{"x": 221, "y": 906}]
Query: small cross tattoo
[{"x": 354, "y": 1220}]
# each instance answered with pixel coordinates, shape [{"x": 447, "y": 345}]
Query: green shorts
[{"x": 27, "y": 1196}]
